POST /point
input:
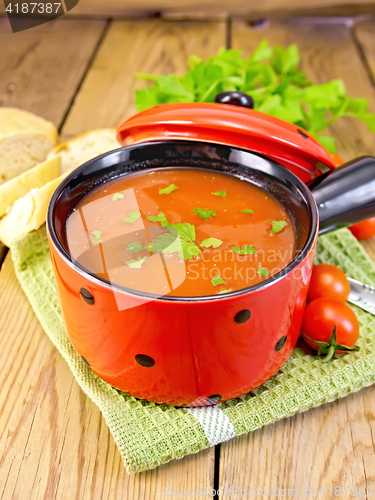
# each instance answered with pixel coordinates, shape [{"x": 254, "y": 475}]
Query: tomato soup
[{"x": 184, "y": 232}]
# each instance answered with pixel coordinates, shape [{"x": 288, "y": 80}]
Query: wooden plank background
[
  {"x": 107, "y": 95},
  {"x": 56, "y": 437},
  {"x": 41, "y": 68},
  {"x": 55, "y": 443},
  {"x": 213, "y": 9}
]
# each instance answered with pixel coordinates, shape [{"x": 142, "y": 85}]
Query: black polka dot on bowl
[
  {"x": 280, "y": 343},
  {"x": 242, "y": 316},
  {"x": 144, "y": 360},
  {"x": 87, "y": 296},
  {"x": 85, "y": 361},
  {"x": 214, "y": 398}
]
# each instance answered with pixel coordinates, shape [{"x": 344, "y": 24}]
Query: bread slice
[
  {"x": 28, "y": 213},
  {"x": 19, "y": 186},
  {"x": 25, "y": 141},
  {"x": 85, "y": 146}
]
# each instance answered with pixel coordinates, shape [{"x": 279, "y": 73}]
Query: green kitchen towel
[{"x": 148, "y": 434}]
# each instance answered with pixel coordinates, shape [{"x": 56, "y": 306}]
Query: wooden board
[
  {"x": 40, "y": 69},
  {"x": 55, "y": 443},
  {"x": 211, "y": 8},
  {"x": 364, "y": 34},
  {"x": 107, "y": 95},
  {"x": 331, "y": 445},
  {"x": 325, "y": 447}
]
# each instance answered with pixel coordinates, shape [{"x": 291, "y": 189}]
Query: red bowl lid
[{"x": 232, "y": 125}]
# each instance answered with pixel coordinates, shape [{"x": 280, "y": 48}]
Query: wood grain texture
[
  {"x": 107, "y": 95},
  {"x": 210, "y": 8},
  {"x": 331, "y": 445},
  {"x": 365, "y": 36},
  {"x": 54, "y": 441},
  {"x": 327, "y": 52},
  {"x": 40, "y": 69},
  {"x": 325, "y": 447}
]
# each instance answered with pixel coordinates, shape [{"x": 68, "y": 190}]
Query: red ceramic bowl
[{"x": 192, "y": 351}]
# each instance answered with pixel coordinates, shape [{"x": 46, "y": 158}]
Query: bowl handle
[{"x": 345, "y": 195}]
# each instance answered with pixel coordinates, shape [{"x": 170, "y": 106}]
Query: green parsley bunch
[{"x": 271, "y": 77}]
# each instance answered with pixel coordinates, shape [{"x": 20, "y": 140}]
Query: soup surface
[{"x": 181, "y": 232}]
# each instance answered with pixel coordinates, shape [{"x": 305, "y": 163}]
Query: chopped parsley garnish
[
  {"x": 211, "y": 242},
  {"x": 133, "y": 216},
  {"x": 218, "y": 280},
  {"x": 245, "y": 250},
  {"x": 189, "y": 250},
  {"x": 204, "y": 214},
  {"x": 165, "y": 243},
  {"x": 96, "y": 235},
  {"x": 134, "y": 247},
  {"x": 159, "y": 218},
  {"x": 221, "y": 193},
  {"x": 186, "y": 231},
  {"x": 180, "y": 238},
  {"x": 136, "y": 263},
  {"x": 277, "y": 226},
  {"x": 117, "y": 196},
  {"x": 262, "y": 271},
  {"x": 223, "y": 291},
  {"x": 247, "y": 211},
  {"x": 168, "y": 189}
]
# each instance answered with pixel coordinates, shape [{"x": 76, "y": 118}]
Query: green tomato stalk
[{"x": 330, "y": 347}]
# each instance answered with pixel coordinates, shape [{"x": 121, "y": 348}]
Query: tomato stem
[
  {"x": 330, "y": 353},
  {"x": 330, "y": 347}
]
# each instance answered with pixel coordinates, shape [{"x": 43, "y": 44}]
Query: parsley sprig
[
  {"x": 263, "y": 272},
  {"x": 221, "y": 193},
  {"x": 277, "y": 226},
  {"x": 211, "y": 242},
  {"x": 96, "y": 235},
  {"x": 117, "y": 196},
  {"x": 161, "y": 217},
  {"x": 133, "y": 217},
  {"x": 168, "y": 190},
  {"x": 134, "y": 247},
  {"x": 218, "y": 280},
  {"x": 245, "y": 250},
  {"x": 136, "y": 263},
  {"x": 272, "y": 78},
  {"x": 179, "y": 238},
  {"x": 203, "y": 213}
]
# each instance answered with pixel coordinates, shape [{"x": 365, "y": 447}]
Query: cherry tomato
[
  {"x": 321, "y": 316},
  {"x": 328, "y": 281},
  {"x": 364, "y": 230}
]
